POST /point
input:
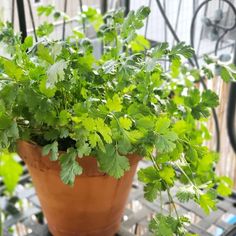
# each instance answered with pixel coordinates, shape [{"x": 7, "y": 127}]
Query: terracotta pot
[{"x": 92, "y": 207}]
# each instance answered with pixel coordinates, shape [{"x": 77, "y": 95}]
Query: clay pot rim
[
  {"x": 89, "y": 164},
  {"x": 33, "y": 144}
]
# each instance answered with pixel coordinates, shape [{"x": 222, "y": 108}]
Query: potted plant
[{"x": 82, "y": 124}]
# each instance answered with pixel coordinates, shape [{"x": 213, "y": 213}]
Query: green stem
[
  {"x": 189, "y": 180},
  {"x": 6, "y": 79},
  {"x": 186, "y": 162},
  {"x": 161, "y": 202},
  {"x": 183, "y": 172},
  {"x": 166, "y": 185},
  {"x": 172, "y": 202},
  {"x": 118, "y": 122}
]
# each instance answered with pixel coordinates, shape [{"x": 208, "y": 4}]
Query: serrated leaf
[
  {"x": 200, "y": 111},
  {"x": 49, "y": 92},
  {"x": 162, "y": 125},
  {"x": 124, "y": 146},
  {"x": 134, "y": 135},
  {"x": 56, "y": 50},
  {"x": 70, "y": 168},
  {"x": 210, "y": 98},
  {"x": 175, "y": 67},
  {"x": 207, "y": 201},
  {"x": 64, "y": 117},
  {"x": 110, "y": 67},
  {"x": 193, "y": 98},
  {"x": 145, "y": 123},
  {"x": 45, "y": 10},
  {"x": 151, "y": 190},
  {"x": 89, "y": 124},
  {"x": 44, "y": 54},
  {"x": 167, "y": 174},
  {"x": 162, "y": 225},
  {"x": 148, "y": 175},
  {"x": 163, "y": 157},
  {"x": 207, "y": 162},
  {"x": 160, "y": 50},
  {"x": 83, "y": 149},
  {"x": 133, "y": 21},
  {"x": 225, "y": 186},
  {"x": 52, "y": 149},
  {"x": 151, "y": 64},
  {"x": 185, "y": 193},
  {"x": 125, "y": 123},
  {"x": 64, "y": 133},
  {"x": 45, "y": 29},
  {"x": 114, "y": 104},
  {"x": 10, "y": 170},
  {"x": 225, "y": 75},
  {"x": 181, "y": 127},
  {"x": 139, "y": 43},
  {"x": 182, "y": 49},
  {"x": 165, "y": 143},
  {"x": 94, "y": 17},
  {"x": 128, "y": 67},
  {"x": 94, "y": 139},
  {"x": 28, "y": 42},
  {"x": 104, "y": 130},
  {"x": 55, "y": 73},
  {"x": 12, "y": 70},
  {"x": 112, "y": 163}
]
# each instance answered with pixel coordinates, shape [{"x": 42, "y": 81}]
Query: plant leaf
[
  {"x": 112, "y": 163},
  {"x": 10, "y": 170},
  {"x": 53, "y": 148},
  {"x": 182, "y": 49},
  {"x": 164, "y": 143},
  {"x": 12, "y": 70},
  {"x": 139, "y": 43},
  {"x": 167, "y": 173},
  {"x": 44, "y": 54},
  {"x": 210, "y": 98},
  {"x": 45, "y": 29},
  {"x": 208, "y": 201},
  {"x": 114, "y": 104},
  {"x": 185, "y": 193},
  {"x": 55, "y": 73},
  {"x": 125, "y": 123},
  {"x": 69, "y": 167}
]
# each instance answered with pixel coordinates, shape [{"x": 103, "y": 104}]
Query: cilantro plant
[{"x": 59, "y": 96}]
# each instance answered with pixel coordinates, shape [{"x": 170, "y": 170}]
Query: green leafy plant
[
  {"x": 10, "y": 171},
  {"x": 59, "y": 96}
]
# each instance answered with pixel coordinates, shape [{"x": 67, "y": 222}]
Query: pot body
[{"x": 92, "y": 207}]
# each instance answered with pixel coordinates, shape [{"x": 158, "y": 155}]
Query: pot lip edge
[{"x": 33, "y": 144}]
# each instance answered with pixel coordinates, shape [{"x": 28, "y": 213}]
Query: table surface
[{"x": 29, "y": 220}]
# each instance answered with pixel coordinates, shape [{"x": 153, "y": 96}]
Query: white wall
[{"x": 158, "y": 31}]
